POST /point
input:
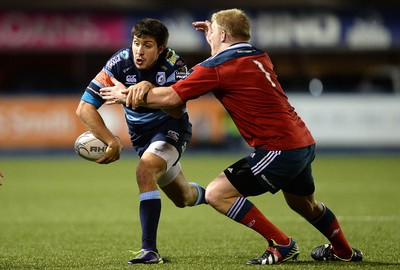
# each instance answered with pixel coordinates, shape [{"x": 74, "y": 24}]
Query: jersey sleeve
[
  {"x": 103, "y": 79},
  {"x": 92, "y": 92},
  {"x": 200, "y": 81}
]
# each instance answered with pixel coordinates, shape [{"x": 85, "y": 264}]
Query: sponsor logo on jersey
[
  {"x": 245, "y": 51},
  {"x": 113, "y": 61},
  {"x": 131, "y": 79},
  {"x": 127, "y": 69},
  {"x": 173, "y": 135},
  {"x": 172, "y": 57},
  {"x": 180, "y": 75},
  {"x": 103, "y": 78},
  {"x": 161, "y": 78}
]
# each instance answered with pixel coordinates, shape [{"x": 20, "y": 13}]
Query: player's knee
[
  {"x": 212, "y": 196},
  {"x": 146, "y": 174}
]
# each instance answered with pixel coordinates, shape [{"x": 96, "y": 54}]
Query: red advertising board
[
  {"x": 29, "y": 30},
  {"x": 51, "y": 122}
]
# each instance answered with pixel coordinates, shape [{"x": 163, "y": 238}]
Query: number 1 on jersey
[{"x": 267, "y": 74}]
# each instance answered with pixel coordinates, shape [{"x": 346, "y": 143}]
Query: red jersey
[{"x": 243, "y": 80}]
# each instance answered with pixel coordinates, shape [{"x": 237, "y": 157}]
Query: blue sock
[
  {"x": 150, "y": 210},
  {"x": 201, "y": 192}
]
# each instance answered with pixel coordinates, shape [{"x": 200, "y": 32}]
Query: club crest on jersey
[
  {"x": 161, "y": 78},
  {"x": 124, "y": 54}
]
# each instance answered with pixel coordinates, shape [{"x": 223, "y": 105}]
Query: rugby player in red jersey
[{"x": 242, "y": 78}]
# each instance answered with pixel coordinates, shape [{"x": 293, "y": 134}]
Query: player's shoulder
[
  {"x": 172, "y": 59},
  {"x": 122, "y": 57},
  {"x": 236, "y": 51}
]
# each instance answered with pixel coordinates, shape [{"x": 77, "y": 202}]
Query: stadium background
[
  {"x": 62, "y": 212},
  {"x": 338, "y": 60}
]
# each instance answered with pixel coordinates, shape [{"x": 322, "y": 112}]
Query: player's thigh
[
  {"x": 165, "y": 151},
  {"x": 241, "y": 180},
  {"x": 221, "y": 188}
]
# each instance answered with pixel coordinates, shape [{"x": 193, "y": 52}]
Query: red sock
[
  {"x": 339, "y": 243},
  {"x": 246, "y": 213},
  {"x": 329, "y": 226}
]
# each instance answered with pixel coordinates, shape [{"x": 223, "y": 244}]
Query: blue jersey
[{"x": 142, "y": 122}]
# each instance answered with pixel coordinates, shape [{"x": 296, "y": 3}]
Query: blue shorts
[
  {"x": 176, "y": 132},
  {"x": 271, "y": 171}
]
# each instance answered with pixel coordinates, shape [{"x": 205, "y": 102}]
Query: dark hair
[{"x": 153, "y": 28}]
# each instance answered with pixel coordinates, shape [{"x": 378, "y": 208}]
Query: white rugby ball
[{"x": 89, "y": 147}]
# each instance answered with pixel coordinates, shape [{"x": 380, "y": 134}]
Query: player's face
[
  {"x": 145, "y": 51},
  {"x": 214, "y": 38}
]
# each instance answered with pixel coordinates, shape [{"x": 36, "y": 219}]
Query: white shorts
[{"x": 169, "y": 153}]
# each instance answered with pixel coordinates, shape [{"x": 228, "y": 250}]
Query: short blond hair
[{"x": 234, "y": 22}]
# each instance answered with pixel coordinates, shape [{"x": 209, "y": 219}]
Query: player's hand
[
  {"x": 137, "y": 93},
  {"x": 112, "y": 153},
  {"x": 203, "y": 26},
  {"x": 114, "y": 94}
]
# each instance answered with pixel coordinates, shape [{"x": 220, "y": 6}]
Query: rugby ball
[{"x": 89, "y": 147}]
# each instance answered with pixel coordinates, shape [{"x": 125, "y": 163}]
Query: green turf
[{"x": 68, "y": 213}]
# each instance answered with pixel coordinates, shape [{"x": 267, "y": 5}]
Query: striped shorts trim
[{"x": 264, "y": 162}]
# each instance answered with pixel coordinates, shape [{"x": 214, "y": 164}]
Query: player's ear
[
  {"x": 223, "y": 36},
  {"x": 160, "y": 49}
]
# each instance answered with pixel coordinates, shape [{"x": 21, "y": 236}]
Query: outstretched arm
[
  {"x": 161, "y": 97},
  {"x": 142, "y": 94}
]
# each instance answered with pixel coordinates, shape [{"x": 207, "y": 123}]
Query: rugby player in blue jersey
[
  {"x": 159, "y": 137},
  {"x": 242, "y": 78}
]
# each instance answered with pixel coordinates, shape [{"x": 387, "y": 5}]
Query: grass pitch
[{"x": 68, "y": 213}]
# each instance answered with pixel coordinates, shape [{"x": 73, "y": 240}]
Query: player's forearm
[
  {"x": 93, "y": 121},
  {"x": 161, "y": 98}
]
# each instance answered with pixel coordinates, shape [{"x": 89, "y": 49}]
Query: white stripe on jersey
[{"x": 264, "y": 162}]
